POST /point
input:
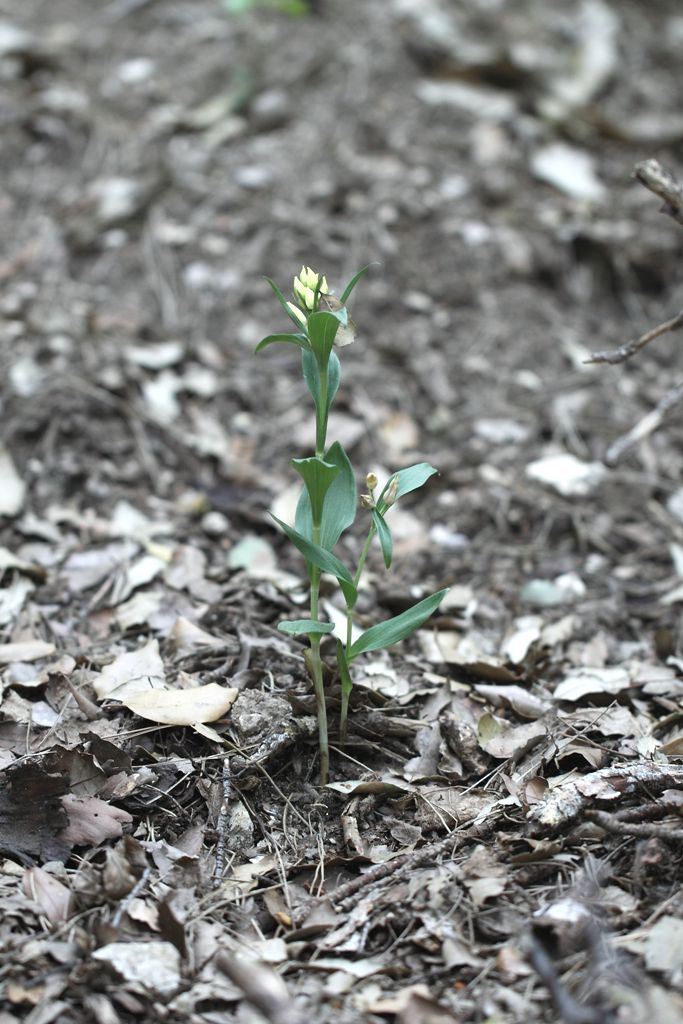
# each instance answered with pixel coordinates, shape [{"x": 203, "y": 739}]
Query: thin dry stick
[
  {"x": 222, "y": 824},
  {"x": 652, "y": 175},
  {"x": 632, "y": 828},
  {"x": 644, "y": 427},
  {"x": 569, "y": 1011},
  {"x": 624, "y": 352},
  {"x": 344, "y": 896}
]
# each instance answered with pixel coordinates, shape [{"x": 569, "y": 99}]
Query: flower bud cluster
[{"x": 308, "y": 286}]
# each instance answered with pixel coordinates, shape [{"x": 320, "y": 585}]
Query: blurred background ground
[{"x": 158, "y": 158}]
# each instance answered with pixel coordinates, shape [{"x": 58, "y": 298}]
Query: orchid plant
[{"x": 328, "y": 501}]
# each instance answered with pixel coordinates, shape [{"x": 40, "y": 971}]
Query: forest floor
[{"x": 501, "y": 837}]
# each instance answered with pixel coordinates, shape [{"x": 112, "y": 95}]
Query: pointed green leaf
[
  {"x": 295, "y": 339},
  {"x": 322, "y": 330},
  {"x": 318, "y": 477},
  {"x": 325, "y": 560},
  {"x": 343, "y": 666},
  {"x": 312, "y": 377},
  {"x": 283, "y": 302},
  {"x": 408, "y": 480},
  {"x": 339, "y": 509},
  {"x": 352, "y": 283},
  {"x": 384, "y": 537},
  {"x": 390, "y": 632},
  {"x": 304, "y": 627}
]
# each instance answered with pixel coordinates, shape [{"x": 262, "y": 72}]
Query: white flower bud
[
  {"x": 309, "y": 278},
  {"x": 390, "y": 493},
  {"x": 367, "y": 502},
  {"x": 371, "y": 481},
  {"x": 301, "y": 317}
]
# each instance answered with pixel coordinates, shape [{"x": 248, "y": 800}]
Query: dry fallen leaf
[
  {"x": 664, "y": 945},
  {"x": 584, "y": 681},
  {"x": 92, "y": 820},
  {"x": 12, "y": 487},
  {"x": 500, "y": 739},
  {"x": 53, "y": 898},
  {"x": 133, "y": 672},
  {"x": 155, "y": 965},
  {"x": 28, "y": 650},
  {"x": 183, "y": 707}
]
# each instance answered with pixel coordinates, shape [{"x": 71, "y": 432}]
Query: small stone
[
  {"x": 215, "y": 524},
  {"x": 271, "y": 109}
]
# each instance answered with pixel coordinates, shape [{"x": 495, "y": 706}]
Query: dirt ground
[{"x": 501, "y": 837}]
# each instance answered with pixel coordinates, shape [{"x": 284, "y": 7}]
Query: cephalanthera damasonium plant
[{"x": 328, "y": 502}]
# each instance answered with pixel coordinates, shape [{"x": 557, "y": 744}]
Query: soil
[{"x": 500, "y": 839}]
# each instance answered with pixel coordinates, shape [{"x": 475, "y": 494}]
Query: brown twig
[
  {"x": 644, "y": 427},
  {"x": 572, "y": 797},
  {"x": 652, "y": 175},
  {"x": 624, "y": 352},
  {"x": 567, "y": 1007},
  {"x": 644, "y": 830},
  {"x": 344, "y": 896}
]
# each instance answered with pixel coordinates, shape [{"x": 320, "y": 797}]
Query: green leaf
[
  {"x": 325, "y": 560},
  {"x": 318, "y": 477},
  {"x": 343, "y": 666},
  {"x": 339, "y": 510},
  {"x": 312, "y": 377},
  {"x": 300, "y": 627},
  {"x": 283, "y": 302},
  {"x": 390, "y": 632},
  {"x": 384, "y": 537},
  {"x": 408, "y": 480},
  {"x": 322, "y": 330},
  {"x": 296, "y": 339},
  {"x": 353, "y": 282}
]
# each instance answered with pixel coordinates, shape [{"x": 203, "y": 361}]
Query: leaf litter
[{"x": 500, "y": 837}]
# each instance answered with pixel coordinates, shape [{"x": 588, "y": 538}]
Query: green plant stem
[
  {"x": 321, "y": 417},
  {"x": 315, "y": 660},
  {"x": 346, "y": 693},
  {"x": 317, "y": 671},
  {"x": 356, "y": 581}
]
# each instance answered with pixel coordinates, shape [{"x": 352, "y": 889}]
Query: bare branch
[
  {"x": 644, "y": 427},
  {"x": 624, "y": 352},
  {"x": 652, "y": 175}
]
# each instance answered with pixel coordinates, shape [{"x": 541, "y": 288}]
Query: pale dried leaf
[
  {"x": 54, "y": 899},
  {"x": 26, "y": 650},
  {"x": 187, "y": 637},
  {"x": 130, "y": 673},
  {"x": 92, "y": 820},
  {"x": 12, "y": 487},
  {"x": 183, "y": 707},
  {"x": 584, "y": 681},
  {"x": 521, "y": 701},
  {"x": 154, "y": 965},
  {"x": 566, "y": 474},
  {"x": 664, "y": 945},
  {"x": 499, "y": 739}
]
